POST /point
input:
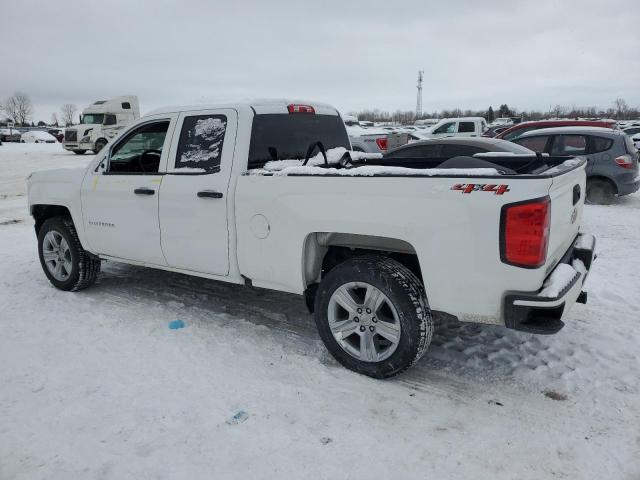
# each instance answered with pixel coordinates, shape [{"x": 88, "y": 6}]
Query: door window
[
  {"x": 536, "y": 144},
  {"x": 569, "y": 145},
  {"x": 200, "y": 144},
  {"x": 466, "y": 127},
  {"x": 449, "y": 127},
  {"x": 140, "y": 151},
  {"x": 109, "y": 119}
]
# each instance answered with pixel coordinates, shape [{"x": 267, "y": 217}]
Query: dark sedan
[{"x": 445, "y": 148}]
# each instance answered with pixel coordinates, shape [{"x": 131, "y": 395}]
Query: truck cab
[
  {"x": 100, "y": 122},
  {"x": 458, "y": 127}
]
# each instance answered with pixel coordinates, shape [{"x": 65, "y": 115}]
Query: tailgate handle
[
  {"x": 209, "y": 194},
  {"x": 144, "y": 191},
  {"x": 576, "y": 194}
]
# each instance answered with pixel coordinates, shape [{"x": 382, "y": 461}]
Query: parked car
[
  {"x": 631, "y": 131},
  {"x": 56, "y": 132},
  {"x": 495, "y": 130},
  {"x": 373, "y": 251},
  {"x": 375, "y": 139},
  {"x": 458, "y": 127},
  {"x": 10, "y": 134},
  {"x": 612, "y": 167},
  {"x": 37, "y": 136},
  {"x": 520, "y": 128},
  {"x": 504, "y": 121},
  {"x": 445, "y": 148}
]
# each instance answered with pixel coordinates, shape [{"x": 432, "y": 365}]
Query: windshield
[
  {"x": 92, "y": 118},
  {"x": 282, "y": 137}
]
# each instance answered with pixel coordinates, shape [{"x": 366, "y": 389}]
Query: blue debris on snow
[
  {"x": 176, "y": 324},
  {"x": 239, "y": 417}
]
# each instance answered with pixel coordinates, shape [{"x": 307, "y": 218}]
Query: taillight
[
  {"x": 382, "y": 143},
  {"x": 625, "y": 161},
  {"x": 294, "y": 108},
  {"x": 524, "y": 233}
]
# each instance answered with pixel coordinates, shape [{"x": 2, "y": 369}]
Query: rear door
[{"x": 193, "y": 198}]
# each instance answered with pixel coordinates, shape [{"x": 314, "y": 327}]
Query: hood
[{"x": 58, "y": 175}]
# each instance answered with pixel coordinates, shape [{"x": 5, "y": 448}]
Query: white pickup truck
[{"x": 221, "y": 192}]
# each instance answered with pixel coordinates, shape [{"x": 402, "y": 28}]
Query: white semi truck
[{"x": 100, "y": 122}]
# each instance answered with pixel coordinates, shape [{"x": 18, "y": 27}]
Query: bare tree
[
  {"x": 621, "y": 107},
  {"x": 54, "y": 119},
  {"x": 18, "y": 108},
  {"x": 68, "y": 110}
]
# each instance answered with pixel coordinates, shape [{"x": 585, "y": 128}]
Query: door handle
[
  {"x": 209, "y": 194},
  {"x": 144, "y": 191}
]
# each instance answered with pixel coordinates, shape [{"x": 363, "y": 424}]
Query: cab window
[
  {"x": 466, "y": 127},
  {"x": 140, "y": 151},
  {"x": 449, "y": 127}
]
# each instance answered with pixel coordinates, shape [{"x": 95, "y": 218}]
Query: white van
[
  {"x": 100, "y": 122},
  {"x": 458, "y": 127}
]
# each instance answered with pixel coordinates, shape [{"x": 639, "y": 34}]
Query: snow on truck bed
[
  {"x": 95, "y": 384},
  {"x": 314, "y": 167}
]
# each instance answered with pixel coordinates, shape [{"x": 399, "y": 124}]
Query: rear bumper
[
  {"x": 630, "y": 186},
  {"x": 535, "y": 312}
]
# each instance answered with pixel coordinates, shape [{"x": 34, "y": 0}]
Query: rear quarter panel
[{"x": 455, "y": 234}]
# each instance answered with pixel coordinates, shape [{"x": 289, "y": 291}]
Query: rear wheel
[
  {"x": 600, "y": 191},
  {"x": 65, "y": 263},
  {"x": 79, "y": 152},
  {"x": 372, "y": 315},
  {"x": 100, "y": 143}
]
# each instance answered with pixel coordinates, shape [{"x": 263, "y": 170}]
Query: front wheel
[
  {"x": 100, "y": 144},
  {"x": 65, "y": 263},
  {"x": 79, "y": 152},
  {"x": 372, "y": 315}
]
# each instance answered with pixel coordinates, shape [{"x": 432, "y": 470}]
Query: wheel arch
[
  {"x": 323, "y": 251},
  {"x": 606, "y": 179}
]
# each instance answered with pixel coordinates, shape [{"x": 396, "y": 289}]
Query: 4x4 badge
[{"x": 481, "y": 187}]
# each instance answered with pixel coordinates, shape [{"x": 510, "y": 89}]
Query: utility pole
[{"x": 419, "y": 101}]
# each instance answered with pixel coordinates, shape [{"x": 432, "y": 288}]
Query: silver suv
[{"x": 612, "y": 167}]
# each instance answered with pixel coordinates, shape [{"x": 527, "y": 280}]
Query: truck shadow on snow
[{"x": 470, "y": 352}]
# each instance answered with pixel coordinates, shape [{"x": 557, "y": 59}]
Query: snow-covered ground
[{"x": 95, "y": 385}]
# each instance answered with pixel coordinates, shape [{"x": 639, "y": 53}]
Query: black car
[
  {"x": 493, "y": 131},
  {"x": 445, "y": 148}
]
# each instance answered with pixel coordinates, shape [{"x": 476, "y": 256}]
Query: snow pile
[
  {"x": 572, "y": 162},
  {"x": 313, "y": 167},
  {"x": 585, "y": 241},
  {"x": 562, "y": 276}
]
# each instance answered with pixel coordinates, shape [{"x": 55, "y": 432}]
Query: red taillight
[
  {"x": 293, "y": 108},
  {"x": 525, "y": 233},
  {"x": 382, "y": 143},
  {"x": 625, "y": 161}
]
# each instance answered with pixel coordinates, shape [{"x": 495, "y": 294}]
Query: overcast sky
[{"x": 355, "y": 55}]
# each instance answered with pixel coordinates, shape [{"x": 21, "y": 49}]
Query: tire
[
  {"x": 404, "y": 312},
  {"x": 600, "y": 192},
  {"x": 81, "y": 268},
  {"x": 79, "y": 152},
  {"x": 100, "y": 143}
]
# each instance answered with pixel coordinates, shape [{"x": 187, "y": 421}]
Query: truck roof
[{"x": 259, "y": 106}]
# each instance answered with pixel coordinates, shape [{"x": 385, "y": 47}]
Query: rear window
[
  {"x": 450, "y": 151},
  {"x": 288, "y": 136},
  {"x": 417, "y": 151},
  {"x": 631, "y": 148},
  {"x": 569, "y": 145}
]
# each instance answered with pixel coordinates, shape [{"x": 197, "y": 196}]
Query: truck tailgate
[{"x": 567, "y": 194}]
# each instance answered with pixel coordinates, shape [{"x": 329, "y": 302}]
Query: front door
[
  {"x": 120, "y": 196},
  {"x": 194, "y": 194}
]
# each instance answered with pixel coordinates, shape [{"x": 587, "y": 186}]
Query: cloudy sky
[{"x": 355, "y": 55}]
